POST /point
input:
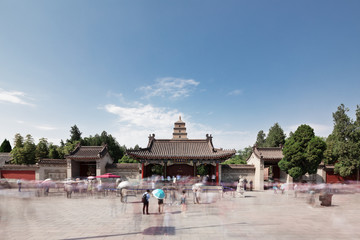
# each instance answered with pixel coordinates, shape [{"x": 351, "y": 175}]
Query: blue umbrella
[{"x": 158, "y": 193}]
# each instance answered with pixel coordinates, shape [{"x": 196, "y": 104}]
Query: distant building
[
  {"x": 263, "y": 159},
  {"x": 180, "y": 155}
]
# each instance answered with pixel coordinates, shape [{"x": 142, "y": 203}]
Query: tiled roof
[
  {"x": 4, "y": 158},
  {"x": 194, "y": 149},
  {"x": 273, "y": 153},
  {"x": 48, "y": 161},
  {"x": 88, "y": 152}
]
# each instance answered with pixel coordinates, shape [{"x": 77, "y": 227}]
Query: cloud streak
[
  {"x": 171, "y": 87},
  {"x": 14, "y": 97},
  {"x": 235, "y": 92}
]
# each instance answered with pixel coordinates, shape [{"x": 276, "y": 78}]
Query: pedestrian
[
  {"x": 161, "y": 205},
  {"x": 19, "y": 184},
  {"x": 245, "y": 182},
  {"x": 145, "y": 200},
  {"x": 183, "y": 201},
  {"x": 213, "y": 178},
  {"x": 251, "y": 185}
]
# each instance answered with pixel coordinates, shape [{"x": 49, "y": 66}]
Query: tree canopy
[
  {"x": 240, "y": 157},
  {"x": 75, "y": 134},
  {"x": 260, "y": 139},
  {"x": 303, "y": 152},
  {"x": 127, "y": 159},
  {"x": 344, "y": 142},
  {"x": 5, "y": 146},
  {"x": 275, "y": 137},
  {"x": 24, "y": 151}
]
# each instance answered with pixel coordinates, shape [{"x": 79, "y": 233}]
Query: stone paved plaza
[{"x": 260, "y": 215}]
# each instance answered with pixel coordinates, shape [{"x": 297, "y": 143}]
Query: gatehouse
[{"x": 180, "y": 155}]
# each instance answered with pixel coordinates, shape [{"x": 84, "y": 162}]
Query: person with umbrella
[{"x": 160, "y": 195}]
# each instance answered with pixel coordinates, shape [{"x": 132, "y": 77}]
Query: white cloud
[
  {"x": 15, "y": 97},
  {"x": 319, "y": 129},
  {"x": 235, "y": 92},
  {"x": 46, "y": 128},
  {"x": 170, "y": 87},
  {"x": 135, "y": 123}
]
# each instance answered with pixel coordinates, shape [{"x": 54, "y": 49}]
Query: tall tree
[
  {"x": 18, "y": 140},
  {"x": 260, "y": 139},
  {"x": 5, "y": 146},
  {"x": 75, "y": 134},
  {"x": 17, "y": 152},
  {"x": 29, "y": 150},
  {"x": 42, "y": 149},
  {"x": 344, "y": 143},
  {"x": 53, "y": 151},
  {"x": 303, "y": 152},
  {"x": 115, "y": 150},
  {"x": 275, "y": 137}
]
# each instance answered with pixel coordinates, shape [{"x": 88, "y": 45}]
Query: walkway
[{"x": 260, "y": 215}]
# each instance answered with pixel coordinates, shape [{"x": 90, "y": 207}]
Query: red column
[
  {"x": 217, "y": 173},
  {"x": 142, "y": 170}
]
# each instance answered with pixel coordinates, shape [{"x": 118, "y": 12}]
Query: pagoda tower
[{"x": 179, "y": 130}]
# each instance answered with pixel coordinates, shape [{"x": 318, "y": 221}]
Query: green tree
[
  {"x": 260, "y": 139},
  {"x": 5, "y": 146},
  {"x": 17, "y": 154},
  {"x": 75, "y": 134},
  {"x": 240, "y": 157},
  {"x": 303, "y": 152},
  {"x": 29, "y": 150},
  {"x": 202, "y": 170},
  {"x": 53, "y": 151},
  {"x": 127, "y": 159},
  {"x": 42, "y": 149},
  {"x": 275, "y": 137},
  {"x": 344, "y": 143},
  {"x": 18, "y": 141},
  {"x": 115, "y": 150}
]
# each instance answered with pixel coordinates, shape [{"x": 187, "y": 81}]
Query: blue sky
[{"x": 229, "y": 68}]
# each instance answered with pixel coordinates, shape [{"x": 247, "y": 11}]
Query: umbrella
[
  {"x": 197, "y": 185},
  {"x": 108, "y": 175},
  {"x": 48, "y": 179},
  {"x": 124, "y": 184},
  {"x": 91, "y": 177},
  {"x": 158, "y": 193}
]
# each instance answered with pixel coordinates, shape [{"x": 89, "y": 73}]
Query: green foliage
[
  {"x": 234, "y": 160},
  {"x": 115, "y": 150},
  {"x": 303, "y": 152},
  {"x": 54, "y": 151},
  {"x": 240, "y": 157},
  {"x": 202, "y": 170},
  {"x": 260, "y": 139},
  {"x": 344, "y": 142},
  {"x": 157, "y": 170},
  {"x": 18, "y": 141},
  {"x": 42, "y": 149},
  {"x": 23, "y": 152},
  {"x": 127, "y": 159},
  {"x": 75, "y": 134},
  {"x": 275, "y": 137},
  {"x": 296, "y": 172},
  {"x": 5, "y": 146},
  {"x": 29, "y": 150}
]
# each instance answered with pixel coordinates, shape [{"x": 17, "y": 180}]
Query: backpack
[{"x": 144, "y": 198}]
